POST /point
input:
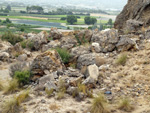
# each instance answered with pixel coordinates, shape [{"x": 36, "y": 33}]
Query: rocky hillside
[{"x": 76, "y": 72}]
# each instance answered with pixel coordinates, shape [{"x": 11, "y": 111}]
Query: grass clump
[
  {"x": 49, "y": 92},
  {"x": 64, "y": 54},
  {"x": 125, "y": 105},
  {"x": 10, "y": 106},
  {"x": 61, "y": 89},
  {"x": 122, "y": 59},
  {"x": 99, "y": 105},
  {"x": 54, "y": 107},
  {"x": 1, "y": 85},
  {"x": 12, "y": 38},
  {"x": 23, "y": 77},
  {"x": 22, "y": 96},
  {"x": 11, "y": 87}
]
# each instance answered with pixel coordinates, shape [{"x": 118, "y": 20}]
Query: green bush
[
  {"x": 30, "y": 44},
  {"x": 64, "y": 54},
  {"x": 12, "y": 38},
  {"x": 23, "y": 44},
  {"x": 23, "y": 77}
]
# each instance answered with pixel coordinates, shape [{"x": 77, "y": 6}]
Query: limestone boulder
[
  {"x": 55, "y": 34},
  {"x": 48, "y": 61},
  {"x": 107, "y": 39}
]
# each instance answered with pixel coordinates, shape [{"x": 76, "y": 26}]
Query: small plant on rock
[
  {"x": 122, "y": 59},
  {"x": 99, "y": 105},
  {"x": 125, "y": 105},
  {"x": 64, "y": 54}
]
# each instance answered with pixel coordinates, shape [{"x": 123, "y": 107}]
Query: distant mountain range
[{"x": 101, "y": 4}]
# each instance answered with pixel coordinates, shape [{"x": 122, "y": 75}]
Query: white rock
[
  {"x": 93, "y": 71},
  {"x": 96, "y": 47},
  {"x": 22, "y": 57}
]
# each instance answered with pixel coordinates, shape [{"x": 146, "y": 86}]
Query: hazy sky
[{"x": 118, "y": 4}]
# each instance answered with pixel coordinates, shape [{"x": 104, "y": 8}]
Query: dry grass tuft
[
  {"x": 22, "y": 96},
  {"x": 99, "y": 105},
  {"x": 122, "y": 59},
  {"x": 10, "y": 106},
  {"x": 49, "y": 92},
  {"x": 125, "y": 105},
  {"x": 1, "y": 85},
  {"x": 54, "y": 107},
  {"x": 11, "y": 87}
]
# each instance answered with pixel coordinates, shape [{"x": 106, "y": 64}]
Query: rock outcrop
[
  {"x": 49, "y": 61},
  {"x": 136, "y": 10},
  {"x": 106, "y": 39}
]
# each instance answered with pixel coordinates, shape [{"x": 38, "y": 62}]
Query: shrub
[
  {"x": 12, "y": 38},
  {"x": 10, "y": 106},
  {"x": 22, "y": 96},
  {"x": 11, "y": 87},
  {"x": 122, "y": 59},
  {"x": 99, "y": 105},
  {"x": 23, "y": 77},
  {"x": 64, "y": 54},
  {"x": 125, "y": 105}
]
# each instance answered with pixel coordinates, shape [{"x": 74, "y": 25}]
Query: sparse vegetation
[
  {"x": 11, "y": 87},
  {"x": 99, "y": 105},
  {"x": 122, "y": 59},
  {"x": 125, "y": 105},
  {"x": 23, "y": 77},
  {"x": 64, "y": 54},
  {"x": 62, "y": 89},
  {"x": 12, "y": 38},
  {"x": 54, "y": 107},
  {"x": 10, "y": 106},
  {"x": 22, "y": 96}
]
